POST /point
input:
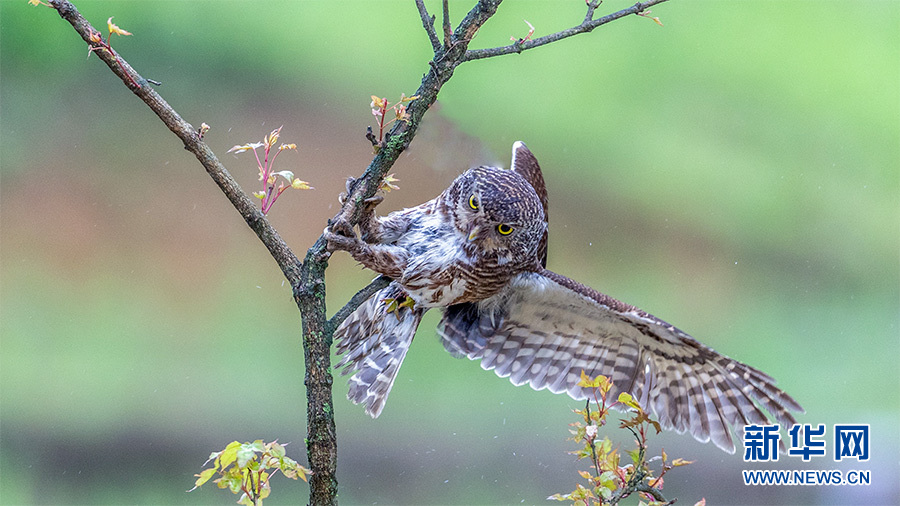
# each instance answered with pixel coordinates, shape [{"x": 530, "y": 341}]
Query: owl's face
[{"x": 498, "y": 214}]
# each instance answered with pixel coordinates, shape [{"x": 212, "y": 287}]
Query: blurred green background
[{"x": 734, "y": 172}]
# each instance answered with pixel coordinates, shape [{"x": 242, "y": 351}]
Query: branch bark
[
  {"x": 428, "y": 24},
  {"x": 307, "y": 279}
]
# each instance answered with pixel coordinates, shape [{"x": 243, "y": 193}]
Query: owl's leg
[
  {"x": 367, "y": 222},
  {"x": 381, "y": 258},
  {"x": 369, "y": 226}
]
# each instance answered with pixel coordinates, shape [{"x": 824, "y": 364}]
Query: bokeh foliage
[{"x": 736, "y": 172}]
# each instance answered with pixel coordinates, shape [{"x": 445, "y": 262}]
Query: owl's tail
[{"x": 374, "y": 341}]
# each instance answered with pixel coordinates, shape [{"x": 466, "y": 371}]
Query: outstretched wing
[
  {"x": 526, "y": 165},
  {"x": 544, "y": 329}
]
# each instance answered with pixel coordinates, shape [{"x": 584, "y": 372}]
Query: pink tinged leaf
[
  {"x": 246, "y": 147},
  {"x": 272, "y": 138},
  {"x": 681, "y": 462},
  {"x": 113, "y": 29},
  {"x": 286, "y": 174},
  {"x": 300, "y": 185}
]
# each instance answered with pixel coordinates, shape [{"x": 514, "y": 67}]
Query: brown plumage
[{"x": 478, "y": 251}]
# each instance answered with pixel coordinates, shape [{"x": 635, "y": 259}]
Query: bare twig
[
  {"x": 428, "y": 24},
  {"x": 446, "y": 23},
  {"x": 586, "y": 26},
  {"x": 591, "y": 7}
]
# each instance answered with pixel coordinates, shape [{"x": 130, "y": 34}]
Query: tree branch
[
  {"x": 591, "y": 7},
  {"x": 321, "y": 439},
  {"x": 284, "y": 257},
  {"x": 357, "y": 300},
  {"x": 428, "y": 24},
  {"x": 586, "y": 26}
]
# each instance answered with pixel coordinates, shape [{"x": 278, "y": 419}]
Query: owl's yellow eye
[
  {"x": 472, "y": 203},
  {"x": 504, "y": 229}
]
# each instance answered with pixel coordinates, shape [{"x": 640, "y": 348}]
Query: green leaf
[
  {"x": 203, "y": 477},
  {"x": 605, "y": 493},
  {"x": 635, "y": 457},
  {"x": 266, "y": 490},
  {"x": 601, "y": 382},
  {"x": 244, "y": 454},
  {"x": 607, "y": 480},
  {"x": 626, "y": 399},
  {"x": 603, "y": 447},
  {"x": 226, "y": 458},
  {"x": 277, "y": 450},
  {"x": 234, "y": 482}
]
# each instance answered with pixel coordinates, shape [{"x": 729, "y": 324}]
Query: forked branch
[{"x": 586, "y": 26}]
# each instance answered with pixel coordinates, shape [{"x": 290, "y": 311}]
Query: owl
[{"x": 478, "y": 251}]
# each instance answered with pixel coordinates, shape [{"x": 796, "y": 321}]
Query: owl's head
[{"x": 498, "y": 213}]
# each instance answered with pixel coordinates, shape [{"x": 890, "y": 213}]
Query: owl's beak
[{"x": 473, "y": 232}]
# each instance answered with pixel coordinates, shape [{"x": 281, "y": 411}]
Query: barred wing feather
[{"x": 545, "y": 328}]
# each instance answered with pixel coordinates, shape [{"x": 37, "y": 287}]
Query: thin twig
[
  {"x": 584, "y": 27},
  {"x": 357, "y": 300},
  {"x": 587, "y": 419},
  {"x": 428, "y": 23},
  {"x": 636, "y": 482},
  {"x": 591, "y": 7},
  {"x": 446, "y": 22}
]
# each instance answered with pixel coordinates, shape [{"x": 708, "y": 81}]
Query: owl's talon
[
  {"x": 338, "y": 242},
  {"x": 341, "y": 227},
  {"x": 372, "y": 202}
]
